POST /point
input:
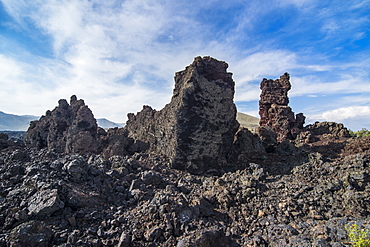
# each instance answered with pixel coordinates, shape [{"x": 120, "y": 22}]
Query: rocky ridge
[{"x": 149, "y": 183}]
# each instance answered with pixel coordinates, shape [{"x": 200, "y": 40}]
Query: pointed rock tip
[
  {"x": 285, "y": 76},
  {"x": 63, "y": 103},
  {"x": 73, "y": 99},
  {"x": 209, "y": 61}
]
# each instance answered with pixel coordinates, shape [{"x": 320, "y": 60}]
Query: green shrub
[
  {"x": 357, "y": 236},
  {"x": 360, "y": 133}
]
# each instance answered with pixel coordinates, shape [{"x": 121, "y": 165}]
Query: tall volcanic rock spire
[
  {"x": 274, "y": 110},
  {"x": 196, "y": 129}
]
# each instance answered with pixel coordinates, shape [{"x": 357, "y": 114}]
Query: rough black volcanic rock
[
  {"x": 268, "y": 138},
  {"x": 30, "y": 234},
  {"x": 325, "y": 129},
  {"x": 282, "y": 198},
  {"x": 196, "y": 129},
  {"x": 4, "y": 136},
  {"x": 6, "y": 142},
  {"x": 246, "y": 144},
  {"x": 53, "y": 199},
  {"x": 69, "y": 128},
  {"x": 45, "y": 202},
  {"x": 117, "y": 142},
  {"x": 326, "y": 137},
  {"x": 206, "y": 237},
  {"x": 143, "y": 126},
  {"x": 274, "y": 110}
]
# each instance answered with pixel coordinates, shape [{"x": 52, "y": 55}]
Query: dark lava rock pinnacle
[
  {"x": 196, "y": 129},
  {"x": 274, "y": 111},
  {"x": 69, "y": 128}
]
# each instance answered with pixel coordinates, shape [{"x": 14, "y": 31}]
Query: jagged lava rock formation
[
  {"x": 77, "y": 185},
  {"x": 196, "y": 129},
  {"x": 274, "y": 111},
  {"x": 69, "y": 128}
]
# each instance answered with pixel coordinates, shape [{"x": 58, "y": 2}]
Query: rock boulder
[{"x": 45, "y": 203}]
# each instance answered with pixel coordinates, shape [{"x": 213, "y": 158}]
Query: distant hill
[
  {"x": 11, "y": 122},
  {"x": 15, "y": 122},
  {"x": 247, "y": 121},
  {"x": 105, "y": 123}
]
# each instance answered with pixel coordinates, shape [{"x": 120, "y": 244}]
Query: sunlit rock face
[{"x": 196, "y": 129}]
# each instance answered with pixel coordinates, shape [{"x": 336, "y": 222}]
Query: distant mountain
[
  {"x": 11, "y": 122},
  {"x": 105, "y": 123},
  {"x": 15, "y": 122},
  {"x": 247, "y": 121}
]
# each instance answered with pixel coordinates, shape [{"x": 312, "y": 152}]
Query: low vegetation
[
  {"x": 361, "y": 133},
  {"x": 358, "y": 237}
]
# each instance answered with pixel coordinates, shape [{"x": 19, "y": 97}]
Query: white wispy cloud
[
  {"x": 9, "y": 69},
  {"x": 266, "y": 63},
  {"x": 119, "y": 55},
  {"x": 354, "y": 116},
  {"x": 347, "y": 112},
  {"x": 314, "y": 85},
  {"x": 100, "y": 48},
  {"x": 132, "y": 50},
  {"x": 250, "y": 71},
  {"x": 341, "y": 22}
]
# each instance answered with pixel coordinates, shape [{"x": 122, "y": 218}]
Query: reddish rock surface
[{"x": 274, "y": 111}]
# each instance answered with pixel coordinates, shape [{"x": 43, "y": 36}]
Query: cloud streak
[
  {"x": 353, "y": 116},
  {"x": 347, "y": 112}
]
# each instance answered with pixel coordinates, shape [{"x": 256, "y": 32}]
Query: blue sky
[{"x": 120, "y": 55}]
